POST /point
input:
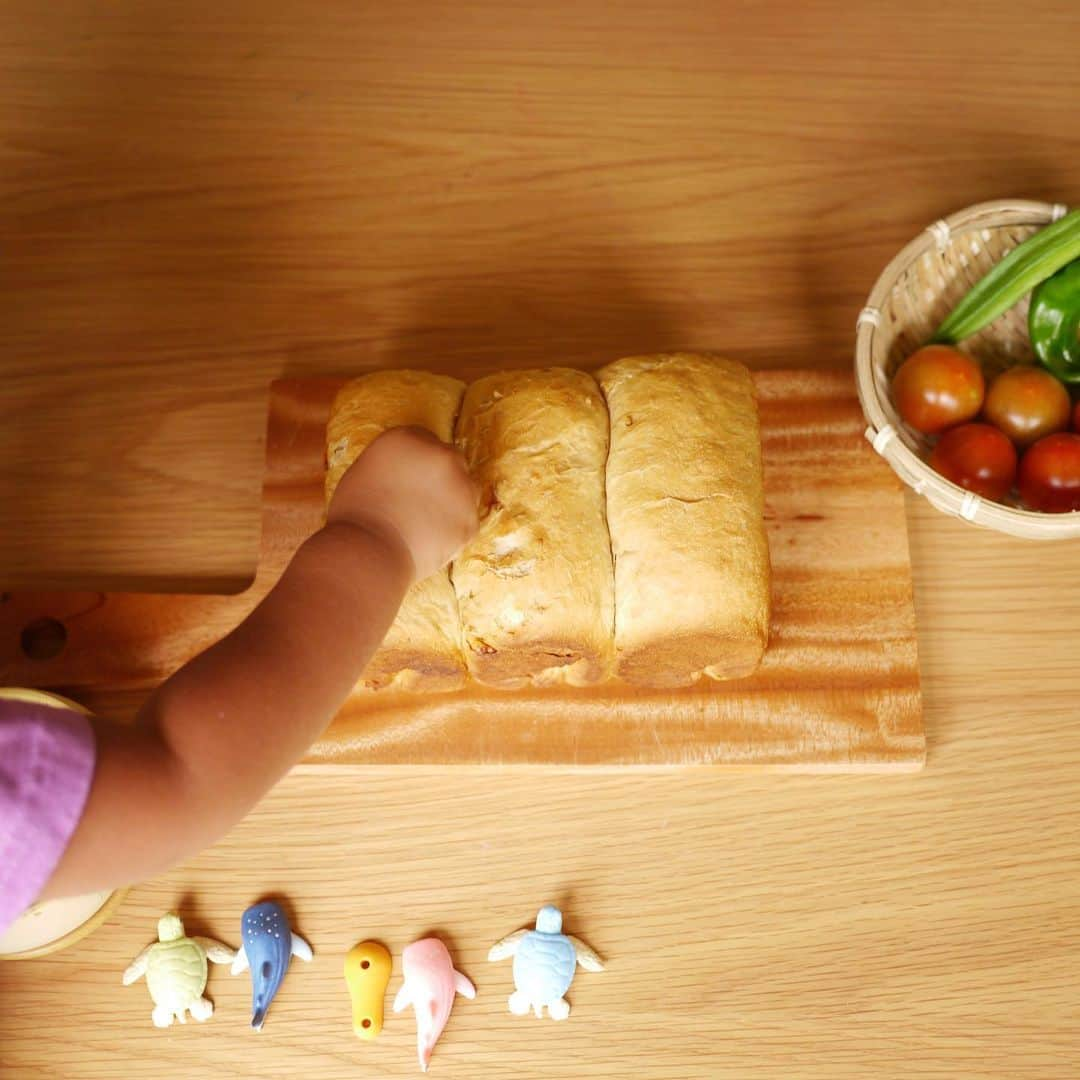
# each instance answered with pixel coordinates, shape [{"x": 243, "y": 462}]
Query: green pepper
[{"x": 1054, "y": 323}]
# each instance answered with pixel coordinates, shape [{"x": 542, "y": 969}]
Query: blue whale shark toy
[{"x": 268, "y": 944}]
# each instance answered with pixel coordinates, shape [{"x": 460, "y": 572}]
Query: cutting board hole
[{"x": 43, "y": 639}]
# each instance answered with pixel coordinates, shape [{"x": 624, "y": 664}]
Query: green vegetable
[
  {"x": 1054, "y": 323},
  {"x": 1018, "y": 273}
]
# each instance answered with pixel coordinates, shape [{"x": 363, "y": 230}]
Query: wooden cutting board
[{"x": 838, "y": 690}]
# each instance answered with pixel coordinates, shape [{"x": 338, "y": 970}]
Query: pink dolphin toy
[{"x": 429, "y": 987}]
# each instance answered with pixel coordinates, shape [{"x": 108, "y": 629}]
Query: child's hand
[{"x": 410, "y": 481}]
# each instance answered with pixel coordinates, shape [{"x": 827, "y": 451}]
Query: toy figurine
[
  {"x": 545, "y": 960},
  {"x": 267, "y": 945},
  {"x": 430, "y": 985},
  {"x": 367, "y": 972},
  {"x": 175, "y": 970}
]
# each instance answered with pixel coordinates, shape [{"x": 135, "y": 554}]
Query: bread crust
[
  {"x": 685, "y": 507},
  {"x": 534, "y": 586}
]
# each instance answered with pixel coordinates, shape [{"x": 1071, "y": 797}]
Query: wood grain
[
  {"x": 838, "y": 689},
  {"x": 197, "y": 202},
  {"x": 193, "y": 207},
  {"x": 817, "y": 927}
]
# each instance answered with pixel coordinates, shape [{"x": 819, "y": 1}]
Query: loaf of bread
[
  {"x": 685, "y": 510},
  {"x": 534, "y": 586},
  {"x": 422, "y": 650}
]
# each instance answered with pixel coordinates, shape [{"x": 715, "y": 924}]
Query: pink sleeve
[{"x": 46, "y": 766}]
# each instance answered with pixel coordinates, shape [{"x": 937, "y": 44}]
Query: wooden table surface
[{"x": 195, "y": 201}]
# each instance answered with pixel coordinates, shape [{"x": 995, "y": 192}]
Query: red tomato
[
  {"x": 1027, "y": 403},
  {"x": 979, "y": 458},
  {"x": 938, "y": 387},
  {"x": 1050, "y": 474},
  {"x": 1076, "y": 417}
]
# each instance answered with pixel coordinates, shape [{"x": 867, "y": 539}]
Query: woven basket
[{"x": 906, "y": 305}]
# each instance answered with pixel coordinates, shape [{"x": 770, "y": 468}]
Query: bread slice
[
  {"x": 685, "y": 507},
  {"x": 422, "y": 650},
  {"x": 534, "y": 586}
]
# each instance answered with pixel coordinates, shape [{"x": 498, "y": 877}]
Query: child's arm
[{"x": 228, "y": 725}]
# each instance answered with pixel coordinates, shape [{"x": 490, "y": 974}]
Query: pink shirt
[{"x": 46, "y": 765}]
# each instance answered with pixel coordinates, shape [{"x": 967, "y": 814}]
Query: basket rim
[{"x": 908, "y": 465}]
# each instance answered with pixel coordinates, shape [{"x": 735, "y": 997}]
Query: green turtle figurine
[{"x": 175, "y": 970}]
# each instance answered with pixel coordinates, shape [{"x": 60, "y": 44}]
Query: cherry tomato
[
  {"x": 938, "y": 387},
  {"x": 978, "y": 457},
  {"x": 1050, "y": 474},
  {"x": 1027, "y": 403}
]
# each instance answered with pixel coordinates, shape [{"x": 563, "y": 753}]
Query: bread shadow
[{"x": 574, "y": 307}]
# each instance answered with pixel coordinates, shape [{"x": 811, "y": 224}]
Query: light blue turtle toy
[{"x": 545, "y": 960}]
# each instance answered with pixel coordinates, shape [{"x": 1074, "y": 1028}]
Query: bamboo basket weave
[{"x": 906, "y": 305}]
